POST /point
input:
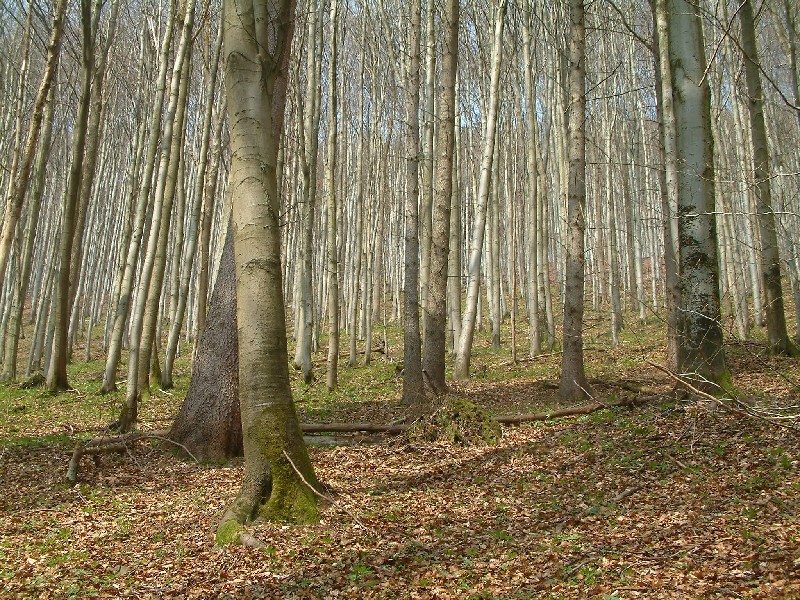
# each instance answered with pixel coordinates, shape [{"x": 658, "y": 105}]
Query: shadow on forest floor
[{"x": 672, "y": 499}]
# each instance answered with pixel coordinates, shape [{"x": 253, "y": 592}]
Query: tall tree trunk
[
  {"x": 464, "y": 353},
  {"x": 358, "y": 234},
  {"x": 668, "y": 177},
  {"x": 278, "y": 473},
  {"x": 413, "y": 386},
  {"x": 331, "y": 246},
  {"x": 700, "y": 329},
  {"x": 532, "y": 156},
  {"x": 309, "y": 131},
  {"x": 57, "y": 375},
  {"x": 23, "y": 279},
  {"x": 194, "y": 221},
  {"x": 19, "y": 185},
  {"x": 426, "y": 156},
  {"x": 150, "y": 278},
  {"x": 436, "y": 307},
  {"x": 574, "y": 385},
  {"x": 128, "y": 279},
  {"x": 779, "y": 341}
]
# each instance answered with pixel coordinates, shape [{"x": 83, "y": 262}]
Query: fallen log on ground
[
  {"x": 121, "y": 443},
  {"x": 584, "y": 409}
]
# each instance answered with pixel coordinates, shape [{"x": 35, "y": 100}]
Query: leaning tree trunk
[
  {"x": 19, "y": 185},
  {"x": 574, "y": 385},
  {"x": 151, "y": 275},
  {"x": 779, "y": 341},
  {"x": 278, "y": 481},
  {"x": 34, "y": 206},
  {"x": 436, "y": 307},
  {"x": 192, "y": 235},
  {"x": 128, "y": 276},
  {"x": 464, "y": 351},
  {"x": 699, "y": 325}
]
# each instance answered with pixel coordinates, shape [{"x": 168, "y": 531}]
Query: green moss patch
[{"x": 459, "y": 422}]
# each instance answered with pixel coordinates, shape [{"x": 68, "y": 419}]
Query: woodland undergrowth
[{"x": 678, "y": 497}]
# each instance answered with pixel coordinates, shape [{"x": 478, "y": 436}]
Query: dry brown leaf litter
[{"x": 713, "y": 514}]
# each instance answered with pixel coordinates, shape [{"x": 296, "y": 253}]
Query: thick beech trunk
[
  {"x": 278, "y": 477},
  {"x": 699, "y": 324},
  {"x": 436, "y": 307},
  {"x": 574, "y": 385}
]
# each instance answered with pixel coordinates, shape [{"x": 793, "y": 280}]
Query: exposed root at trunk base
[{"x": 278, "y": 495}]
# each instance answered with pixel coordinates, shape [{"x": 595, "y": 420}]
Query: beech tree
[
  {"x": 436, "y": 306},
  {"x": 464, "y": 351},
  {"x": 278, "y": 481},
  {"x": 700, "y": 330}
]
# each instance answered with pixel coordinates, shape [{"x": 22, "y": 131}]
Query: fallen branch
[
  {"x": 584, "y": 409},
  {"x": 743, "y": 412},
  {"x": 111, "y": 444},
  {"x": 538, "y": 356},
  {"x": 121, "y": 443},
  {"x": 351, "y": 428}
]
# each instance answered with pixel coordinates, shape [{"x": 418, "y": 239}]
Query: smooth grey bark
[
  {"x": 23, "y": 279},
  {"x": 702, "y": 353},
  {"x": 145, "y": 184},
  {"x": 464, "y": 352},
  {"x": 19, "y": 185},
  {"x": 668, "y": 178},
  {"x": 532, "y": 157},
  {"x": 194, "y": 222},
  {"x": 427, "y": 157},
  {"x": 358, "y": 209},
  {"x": 57, "y": 372},
  {"x": 278, "y": 477},
  {"x": 308, "y": 128},
  {"x": 331, "y": 249},
  {"x": 209, "y": 201},
  {"x": 151, "y": 274}
]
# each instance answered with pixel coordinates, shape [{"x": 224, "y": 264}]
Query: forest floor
[{"x": 675, "y": 498}]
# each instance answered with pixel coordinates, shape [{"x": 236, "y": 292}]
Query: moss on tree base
[
  {"x": 459, "y": 422},
  {"x": 229, "y": 532}
]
